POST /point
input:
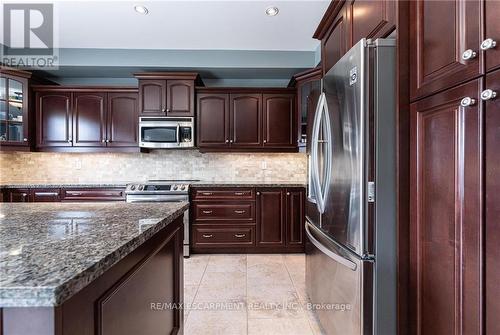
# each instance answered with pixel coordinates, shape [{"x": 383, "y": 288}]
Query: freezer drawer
[{"x": 339, "y": 287}]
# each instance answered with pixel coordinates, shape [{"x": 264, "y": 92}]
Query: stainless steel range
[{"x": 163, "y": 191}]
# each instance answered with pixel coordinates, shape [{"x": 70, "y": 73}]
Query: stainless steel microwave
[{"x": 166, "y": 132}]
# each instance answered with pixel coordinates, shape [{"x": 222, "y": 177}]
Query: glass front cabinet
[{"x": 14, "y": 126}]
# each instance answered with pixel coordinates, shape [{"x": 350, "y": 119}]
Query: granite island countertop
[{"x": 50, "y": 251}]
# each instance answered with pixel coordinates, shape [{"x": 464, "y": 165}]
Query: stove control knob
[
  {"x": 175, "y": 187},
  {"x": 141, "y": 187},
  {"x": 132, "y": 187},
  {"x": 183, "y": 187}
]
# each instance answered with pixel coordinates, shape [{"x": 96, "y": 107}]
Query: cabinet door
[
  {"x": 54, "y": 119},
  {"x": 122, "y": 123},
  {"x": 371, "y": 19},
  {"x": 180, "y": 97},
  {"x": 212, "y": 120},
  {"x": 89, "y": 119},
  {"x": 270, "y": 217},
  {"x": 440, "y": 33},
  {"x": 336, "y": 41},
  {"x": 446, "y": 213},
  {"x": 46, "y": 195},
  {"x": 492, "y": 200},
  {"x": 295, "y": 216},
  {"x": 14, "y": 127},
  {"x": 280, "y": 120},
  {"x": 492, "y": 24},
  {"x": 246, "y": 120},
  {"x": 19, "y": 195},
  {"x": 152, "y": 97}
]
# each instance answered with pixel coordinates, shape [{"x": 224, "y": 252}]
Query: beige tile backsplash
[{"x": 44, "y": 167}]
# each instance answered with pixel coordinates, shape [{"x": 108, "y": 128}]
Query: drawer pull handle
[
  {"x": 239, "y": 235},
  {"x": 239, "y": 193},
  {"x": 206, "y": 193},
  {"x": 207, "y": 235},
  {"x": 206, "y": 212},
  {"x": 75, "y": 193},
  {"x": 239, "y": 211}
]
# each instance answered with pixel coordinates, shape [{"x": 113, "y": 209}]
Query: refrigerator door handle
[
  {"x": 318, "y": 193},
  {"x": 336, "y": 257}
]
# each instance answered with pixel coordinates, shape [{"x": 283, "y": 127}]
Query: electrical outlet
[
  {"x": 78, "y": 164},
  {"x": 263, "y": 165}
]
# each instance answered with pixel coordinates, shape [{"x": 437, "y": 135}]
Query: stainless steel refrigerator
[{"x": 351, "y": 203}]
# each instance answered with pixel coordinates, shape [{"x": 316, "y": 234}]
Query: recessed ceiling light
[
  {"x": 272, "y": 11},
  {"x": 141, "y": 9}
]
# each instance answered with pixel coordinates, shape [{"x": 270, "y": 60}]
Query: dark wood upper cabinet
[
  {"x": 492, "y": 31},
  {"x": 295, "y": 216},
  {"x": 371, "y": 19},
  {"x": 54, "y": 119},
  {"x": 492, "y": 204},
  {"x": 86, "y": 119},
  {"x": 122, "y": 119},
  {"x": 15, "y": 117},
  {"x": 270, "y": 217},
  {"x": 444, "y": 44},
  {"x": 446, "y": 213},
  {"x": 167, "y": 93},
  {"x": 180, "y": 97},
  {"x": 89, "y": 119},
  {"x": 336, "y": 41},
  {"x": 246, "y": 120},
  {"x": 212, "y": 120},
  {"x": 280, "y": 120},
  {"x": 153, "y": 97}
]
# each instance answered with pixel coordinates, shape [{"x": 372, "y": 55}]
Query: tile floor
[{"x": 247, "y": 294}]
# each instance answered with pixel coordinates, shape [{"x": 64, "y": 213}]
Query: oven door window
[{"x": 159, "y": 134}]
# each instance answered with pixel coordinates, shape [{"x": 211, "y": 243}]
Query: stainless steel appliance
[
  {"x": 163, "y": 191},
  {"x": 351, "y": 206},
  {"x": 166, "y": 132}
]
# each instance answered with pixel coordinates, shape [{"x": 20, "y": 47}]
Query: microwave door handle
[{"x": 178, "y": 134}]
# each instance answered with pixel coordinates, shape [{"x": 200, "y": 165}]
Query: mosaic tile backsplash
[{"x": 49, "y": 168}]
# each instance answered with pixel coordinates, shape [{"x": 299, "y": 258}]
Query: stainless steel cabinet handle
[
  {"x": 265, "y": 141},
  {"x": 287, "y": 193},
  {"x": 69, "y": 141},
  {"x": 488, "y": 43},
  {"x": 25, "y": 139},
  {"x": 239, "y": 211},
  {"x": 230, "y": 141},
  {"x": 46, "y": 193},
  {"x": 207, "y": 212},
  {"x": 108, "y": 141},
  {"x": 239, "y": 235},
  {"x": 227, "y": 141},
  {"x": 207, "y": 235},
  {"x": 258, "y": 193},
  {"x": 488, "y": 94},
  {"x": 75, "y": 193},
  {"x": 163, "y": 109},
  {"x": 239, "y": 193},
  {"x": 103, "y": 141},
  {"x": 467, "y": 101},
  {"x": 469, "y": 54},
  {"x": 207, "y": 193}
]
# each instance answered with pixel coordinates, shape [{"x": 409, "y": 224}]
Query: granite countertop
[
  {"x": 50, "y": 251},
  {"x": 201, "y": 183}
]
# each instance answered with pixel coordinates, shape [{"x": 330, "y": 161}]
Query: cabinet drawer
[
  {"x": 85, "y": 194},
  {"x": 46, "y": 195},
  {"x": 237, "y": 211},
  {"x": 224, "y": 194},
  {"x": 223, "y": 236}
]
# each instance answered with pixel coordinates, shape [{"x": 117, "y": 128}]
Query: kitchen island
[{"x": 91, "y": 268}]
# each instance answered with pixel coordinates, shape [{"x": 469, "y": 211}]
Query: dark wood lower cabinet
[
  {"x": 65, "y": 194},
  {"x": 239, "y": 220},
  {"x": 446, "y": 282},
  {"x": 131, "y": 298},
  {"x": 492, "y": 202}
]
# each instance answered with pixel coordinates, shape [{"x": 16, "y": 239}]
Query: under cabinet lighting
[
  {"x": 141, "y": 9},
  {"x": 272, "y": 11}
]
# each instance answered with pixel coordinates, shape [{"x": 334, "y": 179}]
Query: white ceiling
[{"x": 189, "y": 25}]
